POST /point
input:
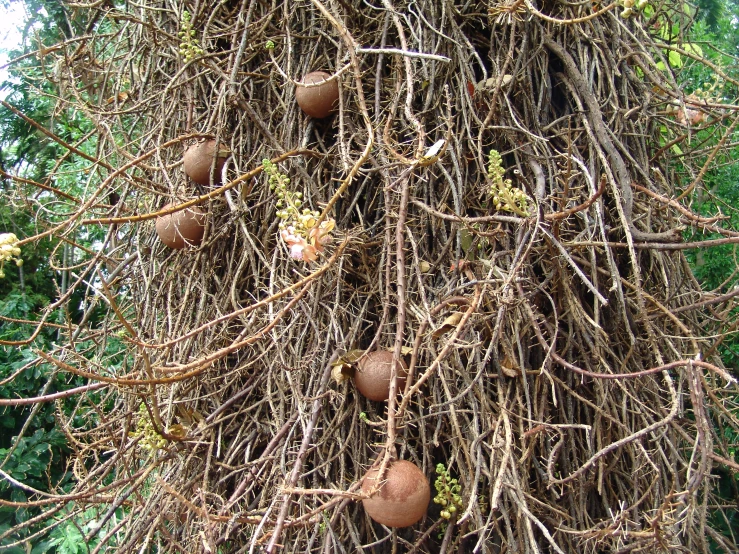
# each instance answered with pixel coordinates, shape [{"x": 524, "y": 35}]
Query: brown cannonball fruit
[
  {"x": 403, "y": 497},
  {"x": 318, "y": 101},
  {"x": 197, "y": 160},
  {"x": 372, "y": 377},
  {"x": 179, "y": 229}
]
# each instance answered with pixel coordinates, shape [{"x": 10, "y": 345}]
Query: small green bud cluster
[
  {"x": 149, "y": 438},
  {"x": 270, "y": 45},
  {"x": 630, "y": 6},
  {"x": 447, "y": 492},
  {"x": 505, "y": 196},
  {"x": 9, "y": 251},
  {"x": 189, "y": 47},
  {"x": 289, "y": 204}
]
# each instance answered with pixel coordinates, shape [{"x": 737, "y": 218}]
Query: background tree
[{"x": 36, "y": 172}]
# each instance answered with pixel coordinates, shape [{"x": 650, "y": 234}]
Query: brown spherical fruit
[
  {"x": 179, "y": 229},
  {"x": 372, "y": 377},
  {"x": 318, "y": 101},
  {"x": 403, "y": 497},
  {"x": 198, "y": 159}
]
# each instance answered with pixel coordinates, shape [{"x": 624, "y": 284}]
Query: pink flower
[
  {"x": 320, "y": 235},
  {"x": 310, "y": 253},
  {"x": 307, "y": 250},
  {"x": 303, "y": 251},
  {"x": 300, "y": 249},
  {"x": 296, "y": 251},
  {"x": 691, "y": 113}
]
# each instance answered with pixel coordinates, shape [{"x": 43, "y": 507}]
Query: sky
[{"x": 12, "y": 17}]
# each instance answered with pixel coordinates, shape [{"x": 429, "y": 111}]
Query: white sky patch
[{"x": 13, "y": 18}]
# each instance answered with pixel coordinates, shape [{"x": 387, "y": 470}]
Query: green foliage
[
  {"x": 68, "y": 537},
  {"x": 32, "y": 450},
  {"x": 29, "y": 460},
  {"x": 717, "y": 193},
  {"x": 718, "y": 268},
  {"x": 711, "y": 11}
]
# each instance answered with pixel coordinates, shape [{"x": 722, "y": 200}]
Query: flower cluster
[
  {"x": 691, "y": 111},
  {"x": 149, "y": 438},
  {"x": 447, "y": 492},
  {"x": 505, "y": 196},
  {"x": 632, "y": 5},
  {"x": 9, "y": 250},
  {"x": 691, "y": 114},
  {"x": 299, "y": 226},
  {"x": 694, "y": 109},
  {"x": 189, "y": 47}
]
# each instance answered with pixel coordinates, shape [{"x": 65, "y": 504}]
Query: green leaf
[
  {"x": 693, "y": 48},
  {"x": 42, "y": 547},
  {"x": 465, "y": 238},
  {"x": 37, "y": 467},
  {"x": 68, "y": 539},
  {"x": 676, "y": 60}
]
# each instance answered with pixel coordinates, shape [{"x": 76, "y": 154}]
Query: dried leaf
[
  {"x": 509, "y": 367},
  {"x": 190, "y": 417},
  {"x": 343, "y": 368},
  {"x": 508, "y": 360},
  {"x": 351, "y": 357},
  {"x": 178, "y": 431},
  {"x": 449, "y": 324},
  {"x": 488, "y": 85},
  {"x": 121, "y": 97},
  {"x": 341, "y": 373}
]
